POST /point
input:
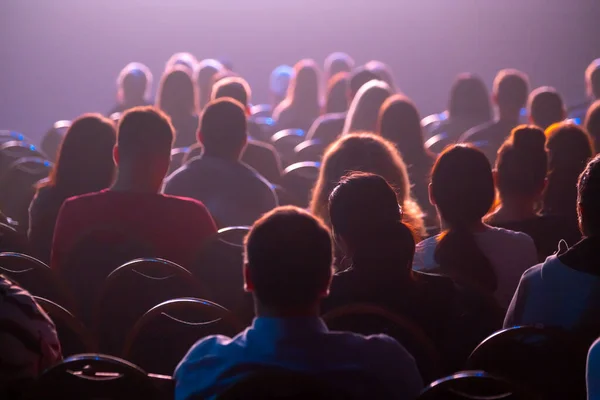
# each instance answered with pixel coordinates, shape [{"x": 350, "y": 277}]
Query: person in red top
[{"x": 174, "y": 227}]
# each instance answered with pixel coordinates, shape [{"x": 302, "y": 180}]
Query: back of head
[
  {"x": 336, "y": 63},
  {"x": 364, "y": 109},
  {"x": 304, "y": 86},
  {"x": 569, "y": 147},
  {"x": 134, "y": 83},
  {"x": 588, "y": 198},
  {"x": 234, "y": 87},
  {"x": 592, "y": 79},
  {"x": 400, "y": 123},
  {"x": 85, "y": 159},
  {"x": 223, "y": 128},
  {"x": 522, "y": 163},
  {"x": 469, "y": 99},
  {"x": 592, "y": 122},
  {"x": 289, "y": 258},
  {"x": 279, "y": 81},
  {"x": 365, "y": 215},
  {"x": 337, "y": 93},
  {"x": 177, "y": 94},
  {"x": 511, "y": 88},
  {"x": 359, "y": 77},
  {"x": 546, "y": 107},
  {"x": 383, "y": 72},
  {"x": 205, "y": 72},
  {"x": 183, "y": 59}
]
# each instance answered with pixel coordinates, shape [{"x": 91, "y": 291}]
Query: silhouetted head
[
  {"x": 592, "y": 122},
  {"x": 383, "y": 72},
  {"x": 235, "y": 87},
  {"x": 364, "y": 153},
  {"x": 592, "y": 79},
  {"x": 144, "y": 140},
  {"x": 288, "y": 262},
  {"x": 400, "y": 123},
  {"x": 184, "y": 59},
  {"x": 279, "y": 83},
  {"x": 336, "y": 63},
  {"x": 546, "y": 107},
  {"x": 205, "y": 72},
  {"x": 134, "y": 84},
  {"x": 469, "y": 99},
  {"x": 84, "y": 162},
  {"x": 304, "y": 86},
  {"x": 364, "y": 109},
  {"x": 367, "y": 223},
  {"x": 177, "y": 94},
  {"x": 522, "y": 164},
  {"x": 223, "y": 129},
  {"x": 588, "y": 199},
  {"x": 511, "y": 88},
  {"x": 358, "y": 78},
  {"x": 337, "y": 93}
]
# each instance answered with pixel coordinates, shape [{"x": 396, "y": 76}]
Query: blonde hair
[
  {"x": 364, "y": 109},
  {"x": 365, "y": 152}
]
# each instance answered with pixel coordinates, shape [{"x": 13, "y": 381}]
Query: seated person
[
  {"x": 546, "y": 107},
  {"x": 521, "y": 170},
  {"x": 173, "y": 227},
  {"x": 234, "y": 193},
  {"x": 133, "y": 87},
  {"x": 562, "y": 291},
  {"x": 28, "y": 340},
  {"x": 593, "y": 372},
  {"x": 592, "y": 86},
  {"x": 288, "y": 271}
]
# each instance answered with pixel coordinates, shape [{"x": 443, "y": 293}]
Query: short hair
[
  {"x": 360, "y": 77},
  {"x": 592, "y": 78},
  {"x": 289, "y": 258},
  {"x": 588, "y": 197},
  {"x": 469, "y": 98},
  {"x": 223, "y": 127},
  {"x": 546, "y": 106},
  {"x": 338, "y": 62},
  {"x": 134, "y": 77},
  {"x": 235, "y": 87},
  {"x": 144, "y": 132},
  {"x": 511, "y": 88}
]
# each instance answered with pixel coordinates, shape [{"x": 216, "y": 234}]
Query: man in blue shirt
[{"x": 288, "y": 271}]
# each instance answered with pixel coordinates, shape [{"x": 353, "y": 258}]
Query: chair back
[
  {"x": 298, "y": 180},
  {"x": 548, "y": 359},
  {"x": 263, "y": 128},
  {"x": 165, "y": 333},
  {"x": 96, "y": 376},
  {"x": 13, "y": 150},
  {"x": 8, "y": 135},
  {"x": 475, "y": 385},
  {"x": 53, "y": 138},
  {"x": 195, "y": 150},
  {"x": 74, "y": 337},
  {"x": 131, "y": 290},
  {"x": 261, "y": 110},
  {"x": 438, "y": 143},
  {"x": 34, "y": 276},
  {"x": 369, "y": 319},
  {"x": 219, "y": 267},
  {"x": 310, "y": 150},
  {"x": 11, "y": 240},
  {"x": 285, "y": 141},
  {"x": 177, "y": 156}
]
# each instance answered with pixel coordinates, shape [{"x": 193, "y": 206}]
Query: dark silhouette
[
  {"x": 133, "y": 87},
  {"x": 364, "y": 110},
  {"x": 204, "y": 78},
  {"x": 279, "y": 83},
  {"x": 592, "y": 123},
  {"x": 336, "y": 98},
  {"x": 592, "y": 87},
  {"x": 383, "y": 72},
  {"x": 184, "y": 59},
  {"x": 84, "y": 164},
  {"x": 545, "y": 107},
  {"x": 336, "y": 63}
]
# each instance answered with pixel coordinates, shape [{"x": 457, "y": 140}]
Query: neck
[
  {"x": 509, "y": 115},
  {"x": 512, "y": 209},
  {"x": 478, "y": 226},
  {"x": 126, "y": 182},
  {"x": 270, "y": 312},
  {"x": 221, "y": 156}
]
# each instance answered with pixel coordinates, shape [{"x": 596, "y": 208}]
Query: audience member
[
  {"x": 546, "y": 107},
  {"x": 302, "y": 104},
  {"x": 84, "y": 165},
  {"x": 563, "y": 290},
  {"x": 383, "y": 72},
  {"x": 183, "y": 59},
  {"x": 177, "y": 98},
  {"x": 205, "y": 72},
  {"x": 592, "y": 368},
  {"x": 336, "y": 63},
  {"x": 234, "y": 193},
  {"x": 288, "y": 271},
  {"x": 400, "y": 123},
  {"x": 328, "y": 127},
  {"x": 569, "y": 149},
  {"x": 364, "y": 109},
  {"x": 365, "y": 153},
  {"x": 279, "y": 83},
  {"x": 592, "y": 123},
  {"x": 472, "y": 253},
  {"x": 174, "y": 227},
  {"x": 28, "y": 340},
  {"x": 521, "y": 170},
  {"x": 511, "y": 88},
  {"x": 468, "y": 106},
  {"x": 133, "y": 87},
  {"x": 336, "y": 98},
  {"x": 592, "y": 86}
]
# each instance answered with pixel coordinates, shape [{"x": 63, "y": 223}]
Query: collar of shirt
[{"x": 293, "y": 326}]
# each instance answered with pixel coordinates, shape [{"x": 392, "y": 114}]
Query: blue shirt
[{"x": 298, "y": 344}]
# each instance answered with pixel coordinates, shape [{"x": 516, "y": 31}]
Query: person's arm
[
  {"x": 62, "y": 235},
  {"x": 516, "y": 309}
]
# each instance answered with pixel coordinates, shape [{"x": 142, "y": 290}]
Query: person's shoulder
[
  {"x": 261, "y": 146},
  {"x": 477, "y": 133},
  {"x": 85, "y": 200},
  {"x": 184, "y": 203},
  {"x": 427, "y": 243},
  {"x": 508, "y": 235},
  {"x": 378, "y": 347},
  {"x": 213, "y": 347}
]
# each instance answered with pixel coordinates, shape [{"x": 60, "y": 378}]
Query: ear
[
  {"x": 325, "y": 292},
  {"x": 430, "y": 192},
  {"x": 116, "y": 155},
  {"x": 248, "y": 284}
]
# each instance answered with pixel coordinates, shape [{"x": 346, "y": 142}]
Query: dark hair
[
  {"x": 144, "y": 132},
  {"x": 469, "y": 98},
  {"x": 304, "y": 85},
  {"x": 462, "y": 187},
  {"x": 84, "y": 162},
  {"x": 592, "y": 122},
  {"x": 546, "y": 107},
  {"x": 400, "y": 123},
  {"x": 592, "y": 78},
  {"x": 364, "y": 212},
  {"x": 383, "y": 72},
  {"x": 359, "y": 77},
  {"x": 184, "y": 59},
  {"x": 511, "y": 88},
  {"x": 177, "y": 94},
  {"x": 289, "y": 258},
  {"x": 134, "y": 82},
  {"x": 570, "y": 148},
  {"x": 205, "y": 73},
  {"x": 336, "y": 63},
  {"x": 588, "y": 197},
  {"x": 234, "y": 87},
  {"x": 223, "y": 128},
  {"x": 522, "y": 163},
  {"x": 336, "y": 100}
]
